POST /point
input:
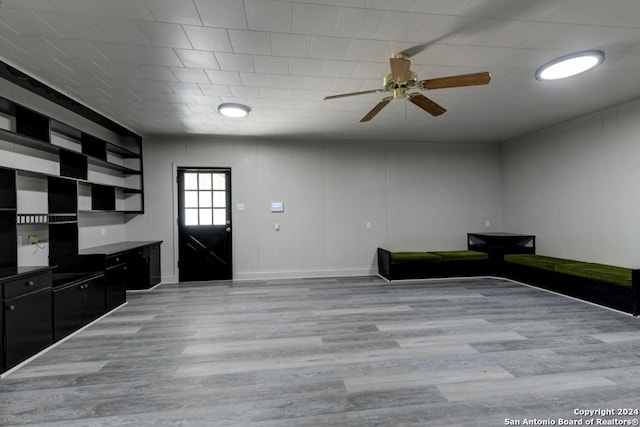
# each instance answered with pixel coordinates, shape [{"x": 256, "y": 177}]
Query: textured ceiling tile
[
  {"x": 28, "y": 4},
  {"x": 224, "y": 77},
  {"x": 306, "y": 67},
  {"x": 185, "y": 88},
  {"x": 164, "y": 35},
  {"x": 215, "y": 90},
  {"x": 256, "y": 80},
  {"x": 271, "y": 64},
  {"x": 72, "y": 26},
  {"x": 235, "y": 62},
  {"x": 24, "y": 22},
  {"x": 269, "y": 15},
  {"x": 315, "y": 19},
  {"x": 118, "y": 30},
  {"x": 245, "y": 92},
  {"x": 77, "y": 49},
  {"x": 340, "y": 68},
  {"x": 197, "y": 59},
  {"x": 359, "y": 23},
  {"x": 319, "y": 83},
  {"x": 295, "y": 45},
  {"x": 147, "y": 55},
  {"x": 398, "y": 5},
  {"x": 190, "y": 75},
  {"x": 174, "y": 11},
  {"x": 439, "y": 7},
  {"x": 205, "y": 38},
  {"x": 222, "y": 13},
  {"x": 288, "y": 82},
  {"x": 329, "y": 47},
  {"x": 250, "y": 42},
  {"x": 156, "y": 72},
  {"x": 126, "y": 9},
  {"x": 400, "y": 26},
  {"x": 369, "y": 50},
  {"x": 97, "y": 68},
  {"x": 33, "y": 45}
]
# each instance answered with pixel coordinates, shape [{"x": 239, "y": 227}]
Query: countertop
[{"x": 116, "y": 248}]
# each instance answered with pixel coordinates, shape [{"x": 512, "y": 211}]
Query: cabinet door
[
  {"x": 138, "y": 272},
  {"x": 27, "y": 326},
  {"x": 93, "y": 297},
  {"x": 2, "y": 365},
  {"x": 116, "y": 292},
  {"x": 67, "y": 311},
  {"x": 155, "y": 275}
]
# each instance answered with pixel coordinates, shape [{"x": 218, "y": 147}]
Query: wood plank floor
[{"x": 338, "y": 352}]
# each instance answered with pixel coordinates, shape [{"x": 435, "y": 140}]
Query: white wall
[
  {"x": 575, "y": 186},
  {"x": 415, "y": 196}
]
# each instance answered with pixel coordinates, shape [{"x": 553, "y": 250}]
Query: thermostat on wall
[{"x": 277, "y": 207}]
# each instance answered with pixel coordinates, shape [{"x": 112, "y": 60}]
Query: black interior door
[{"x": 204, "y": 224}]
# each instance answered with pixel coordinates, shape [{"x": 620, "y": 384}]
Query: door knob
[{"x": 228, "y": 229}]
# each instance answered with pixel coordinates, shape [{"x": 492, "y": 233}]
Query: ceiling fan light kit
[
  {"x": 570, "y": 65},
  {"x": 401, "y": 80},
  {"x": 230, "y": 109}
]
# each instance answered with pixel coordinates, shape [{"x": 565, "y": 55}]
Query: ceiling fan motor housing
[{"x": 391, "y": 85}]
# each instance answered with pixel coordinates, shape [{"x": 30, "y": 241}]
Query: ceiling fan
[{"x": 401, "y": 80}]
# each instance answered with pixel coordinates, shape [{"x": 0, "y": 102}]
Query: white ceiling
[{"x": 163, "y": 66}]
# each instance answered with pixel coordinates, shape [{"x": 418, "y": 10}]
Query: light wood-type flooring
[{"x": 336, "y": 352}]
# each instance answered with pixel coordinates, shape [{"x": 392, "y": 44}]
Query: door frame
[{"x": 176, "y": 232}]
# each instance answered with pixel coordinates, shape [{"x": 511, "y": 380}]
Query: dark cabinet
[
  {"x": 127, "y": 265},
  {"x": 8, "y": 230},
  {"x": 145, "y": 267},
  {"x": 26, "y": 323},
  {"x": 116, "y": 277},
  {"x": 76, "y": 304}
]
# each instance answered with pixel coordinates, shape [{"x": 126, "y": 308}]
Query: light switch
[
  {"x": 240, "y": 207},
  {"x": 368, "y": 225},
  {"x": 487, "y": 223},
  {"x": 277, "y": 226}
]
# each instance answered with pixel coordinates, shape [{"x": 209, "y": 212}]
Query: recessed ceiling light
[
  {"x": 570, "y": 65},
  {"x": 231, "y": 109}
]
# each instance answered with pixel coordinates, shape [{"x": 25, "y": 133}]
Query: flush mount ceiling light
[
  {"x": 570, "y": 65},
  {"x": 231, "y": 109}
]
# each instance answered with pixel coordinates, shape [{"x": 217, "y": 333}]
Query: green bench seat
[
  {"x": 461, "y": 255},
  {"x": 408, "y": 257},
  {"x": 538, "y": 261},
  {"x": 604, "y": 273}
]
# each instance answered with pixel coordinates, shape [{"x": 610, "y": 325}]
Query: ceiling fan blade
[
  {"x": 426, "y": 104},
  {"x": 344, "y": 95},
  {"x": 474, "y": 79},
  {"x": 400, "y": 68},
  {"x": 375, "y": 110}
]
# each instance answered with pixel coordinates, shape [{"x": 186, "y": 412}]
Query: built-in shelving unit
[
  {"x": 72, "y": 153},
  {"x": 8, "y": 211},
  {"x": 64, "y": 175}
]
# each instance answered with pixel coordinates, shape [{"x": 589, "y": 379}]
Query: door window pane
[
  {"x": 190, "y": 181},
  {"x": 219, "y": 181},
  {"x": 219, "y": 217},
  {"x": 205, "y": 199},
  {"x": 219, "y": 199},
  {"x": 205, "y": 216},
  {"x": 191, "y": 199},
  {"x": 204, "y": 181},
  {"x": 191, "y": 217}
]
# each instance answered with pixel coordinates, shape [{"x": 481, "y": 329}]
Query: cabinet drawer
[
  {"x": 26, "y": 285},
  {"x": 114, "y": 260}
]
